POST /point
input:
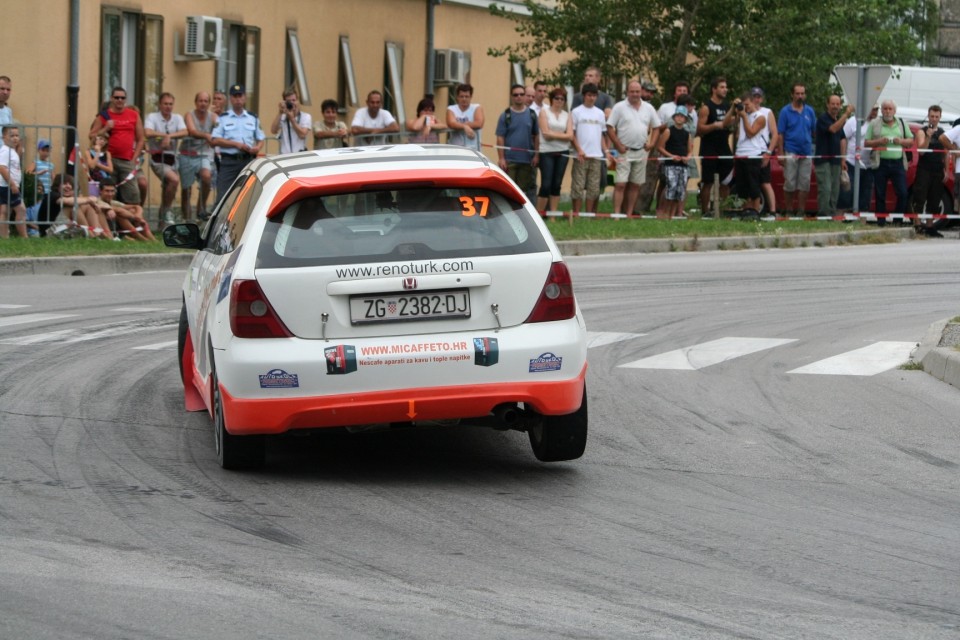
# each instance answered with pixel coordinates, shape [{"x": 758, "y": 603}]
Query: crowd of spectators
[{"x": 648, "y": 152}]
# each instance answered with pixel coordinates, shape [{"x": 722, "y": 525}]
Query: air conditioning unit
[
  {"x": 450, "y": 66},
  {"x": 203, "y": 36}
]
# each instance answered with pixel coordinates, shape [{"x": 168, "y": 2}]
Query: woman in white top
[
  {"x": 556, "y": 133},
  {"x": 752, "y": 140},
  {"x": 465, "y": 120}
]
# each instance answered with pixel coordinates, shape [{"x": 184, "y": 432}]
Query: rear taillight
[
  {"x": 556, "y": 300},
  {"x": 251, "y": 315}
]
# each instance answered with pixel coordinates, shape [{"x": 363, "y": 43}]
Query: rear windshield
[{"x": 403, "y": 224}]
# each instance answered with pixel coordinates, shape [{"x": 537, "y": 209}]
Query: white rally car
[{"x": 379, "y": 286}]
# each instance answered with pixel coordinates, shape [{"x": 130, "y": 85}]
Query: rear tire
[
  {"x": 233, "y": 452},
  {"x": 557, "y": 438}
]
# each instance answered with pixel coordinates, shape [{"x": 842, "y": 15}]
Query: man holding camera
[{"x": 291, "y": 125}]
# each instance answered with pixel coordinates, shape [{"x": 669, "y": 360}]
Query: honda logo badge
[{"x": 409, "y": 283}]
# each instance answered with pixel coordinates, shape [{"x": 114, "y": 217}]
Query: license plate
[{"x": 410, "y": 306}]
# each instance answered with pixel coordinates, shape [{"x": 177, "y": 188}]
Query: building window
[
  {"x": 296, "y": 76},
  {"x": 393, "y": 82},
  {"x": 519, "y": 73},
  {"x": 239, "y": 61},
  {"x": 131, "y": 55},
  {"x": 347, "y": 81}
]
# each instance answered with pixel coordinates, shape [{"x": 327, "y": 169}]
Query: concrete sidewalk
[{"x": 937, "y": 353}]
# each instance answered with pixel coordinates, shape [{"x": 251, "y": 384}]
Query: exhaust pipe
[{"x": 507, "y": 414}]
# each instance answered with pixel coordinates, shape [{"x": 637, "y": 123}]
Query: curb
[
  {"x": 937, "y": 355},
  {"x": 728, "y": 243},
  {"x": 95, "y": 265},
  {"x": 106, "y": 265}
]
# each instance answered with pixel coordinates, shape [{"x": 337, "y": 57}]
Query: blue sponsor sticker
[
  {"x": 545, "y": 362},
  {"x": 279, "y": 379}
]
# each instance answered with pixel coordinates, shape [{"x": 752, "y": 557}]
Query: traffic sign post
[{"x": 865, "y": 84}]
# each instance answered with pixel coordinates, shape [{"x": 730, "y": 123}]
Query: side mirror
[{"x": 182, "y": 236}]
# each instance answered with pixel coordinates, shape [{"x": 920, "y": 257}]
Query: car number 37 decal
[{"x": 475, "y": 205}]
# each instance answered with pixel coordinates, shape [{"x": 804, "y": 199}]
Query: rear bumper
[{"x": 245, "y": 416}]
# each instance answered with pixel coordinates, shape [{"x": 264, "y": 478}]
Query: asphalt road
[{"x": 733, "y": 498}]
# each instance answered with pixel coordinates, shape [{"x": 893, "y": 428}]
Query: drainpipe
[
  {"x": 73, "y": 89},
  {"x": 431, "y": 59}
]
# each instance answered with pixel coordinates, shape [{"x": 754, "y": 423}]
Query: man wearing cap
[
  {"x": 127, "y": 139},
  {"x": 681, "y": 92},
  {"x": 240, "y": 138},
  {"x": 633, "y": 128},
  {"x": 796, "y": 124},
  {"x": 773, "y": 137},
  {"x": 373, "y": 120}
]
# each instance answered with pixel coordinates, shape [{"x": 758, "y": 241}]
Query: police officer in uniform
[{"x": 239, "y": 137}]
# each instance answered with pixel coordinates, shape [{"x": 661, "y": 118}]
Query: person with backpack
[
  {"x": 518, "y": 142},
  {"x": 888, "y": 137}
]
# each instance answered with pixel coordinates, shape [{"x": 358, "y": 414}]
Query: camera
[
  {"x": 289, "y": 105},
  {"x": 738, "y": 106}
]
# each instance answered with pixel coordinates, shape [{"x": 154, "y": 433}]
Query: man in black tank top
[{"x": 713, "y": 126}]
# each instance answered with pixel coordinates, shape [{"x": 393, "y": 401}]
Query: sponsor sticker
[
  {"x": 279, "y": 379},
  {"x": 545, "y": 362},
  {"x": 486, "y": 352}
]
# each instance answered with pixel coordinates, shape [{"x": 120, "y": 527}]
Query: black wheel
[
  {"x": 182, "y": 337},
  {"x": 556, "y": 438},
  {"x": 233, "y": 452}
]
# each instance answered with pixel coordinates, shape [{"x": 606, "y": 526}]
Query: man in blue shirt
[
  {"x": 240, "y": 138},
  {"x": 518, "y": 142},
  {"x": 796, "y": 124}
]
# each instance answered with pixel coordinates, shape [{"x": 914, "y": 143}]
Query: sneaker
[{"x": 168, "y": 218}]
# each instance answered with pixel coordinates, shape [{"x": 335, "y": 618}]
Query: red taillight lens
[
  {"x": 251, "y": 315},
  {"x": 556, "y": 300}
]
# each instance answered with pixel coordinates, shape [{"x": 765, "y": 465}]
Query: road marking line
[
  {"x": 13, "y": 306},
  {"x": 866, "y": 361},
  {"x": 138, "y": 309},
  {"x": 38, "y": 338},
  {"x": 9, "y": 321},
  {"x": 159, "y": 346},
  {"x": 707, "y": 353},
  {"x": 602, "y": 338}
]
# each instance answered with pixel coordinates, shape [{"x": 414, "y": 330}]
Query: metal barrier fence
[{"x": 37, "y": 173}]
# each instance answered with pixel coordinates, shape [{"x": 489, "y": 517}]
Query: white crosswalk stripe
[
  {"x": 706, "y": 354},
  {"x": 602, "y": 338},
  {"x": 159, "y": 346},
  {"x": 866, "y": 361},
  {"x": 9, "y": 321}
]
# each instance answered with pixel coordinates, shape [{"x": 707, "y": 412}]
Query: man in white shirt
[
  {"x": 373, "y": 122},
  {"x": 589, "y": 123},
  {"x": 163, "y": 129},
  {"x": 633, "y": 128},
  {"x": 850, "y": 151}
]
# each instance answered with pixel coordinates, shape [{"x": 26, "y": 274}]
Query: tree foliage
[{"x": 767, "y": 43}]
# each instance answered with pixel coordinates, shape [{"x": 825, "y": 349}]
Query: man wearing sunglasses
[
  {"x": 126, "y": 142},
  {"x": 518, "y": 142}
]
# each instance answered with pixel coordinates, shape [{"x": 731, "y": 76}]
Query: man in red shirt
[{"x": 126, "y": 143}]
